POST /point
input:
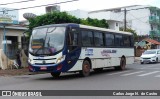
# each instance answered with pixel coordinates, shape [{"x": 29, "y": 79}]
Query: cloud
[
  {"x": 104, "y": 4},
  {"x": 88, "y": 5}
]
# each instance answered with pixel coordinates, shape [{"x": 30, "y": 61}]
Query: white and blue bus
[{"x": 73, "y": 47}]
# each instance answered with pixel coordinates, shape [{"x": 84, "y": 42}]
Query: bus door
[{"x": 74, "y": 49}]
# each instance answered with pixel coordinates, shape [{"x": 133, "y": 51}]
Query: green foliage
[
  {"x": 63, "y": 17},
  {"x": 95, "y": 22}
]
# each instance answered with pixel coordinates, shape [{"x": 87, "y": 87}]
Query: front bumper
[
  {"x": 148, "y": 60},
  {"x": 61, "y": 67}
]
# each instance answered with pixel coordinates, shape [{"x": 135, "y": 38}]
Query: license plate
[
  {"x": 146, "y": 60},
  {"x": 43, "y": 68}
]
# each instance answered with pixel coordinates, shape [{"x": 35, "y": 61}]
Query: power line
[
  {"x": 138, "y": 18},
  {"x": 42, "y": 5},
  {"x": 16, "y": 2}
]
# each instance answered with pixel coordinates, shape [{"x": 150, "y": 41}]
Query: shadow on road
[{"x": 70, "y": 76}]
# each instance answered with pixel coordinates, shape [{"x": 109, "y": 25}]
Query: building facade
[
  {"x": 145, "y": 20},
  {"x": 113, "y": 24},
  {"x": 11, "y": 40}
]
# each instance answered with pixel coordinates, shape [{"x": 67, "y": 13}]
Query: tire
[
  {"x": 85, "y": 68},
  {"x": 55, "y": 75},
  {"x": 122, "y": 64},
  {"x": 156, "y": 60},
  {"x": 142, "y": 63}
]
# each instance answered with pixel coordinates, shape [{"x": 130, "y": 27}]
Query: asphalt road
[{"x": 135, "y": 77}]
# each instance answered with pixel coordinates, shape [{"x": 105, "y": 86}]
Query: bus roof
[{"x": 86, "y": 27}]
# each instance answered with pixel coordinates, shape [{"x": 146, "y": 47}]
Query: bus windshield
[{"x": 47, "y": 41}]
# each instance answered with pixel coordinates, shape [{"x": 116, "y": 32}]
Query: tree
[
  {"x": 131, "y": 31},
  {"x": 63, "y": 17}
]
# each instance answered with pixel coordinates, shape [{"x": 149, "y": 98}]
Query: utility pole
[{"x": 125, "y": 20}]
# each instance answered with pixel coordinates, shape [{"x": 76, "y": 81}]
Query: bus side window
[
  {"x": 126, "y": 40},
  {"x": 98, "y": 39},
  {"x": 72, "y": 39},
  {"x": 131, "y": 41},
  {"x": 87, "y": 38},
  {"x": 109, "y": 40},
  {"x": 118, "y": 40}
]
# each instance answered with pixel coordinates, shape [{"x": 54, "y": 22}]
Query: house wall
[
  {"x": 139, "y": 20},
  {"x": 78, "y": 13},
  {"x": 11, "y": 32},
  {"x": 108, "y": 15}
]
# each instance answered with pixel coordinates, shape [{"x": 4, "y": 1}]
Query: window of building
[
  {"x": 151, "y": 27},
  {"x": 116, "y": 24}
]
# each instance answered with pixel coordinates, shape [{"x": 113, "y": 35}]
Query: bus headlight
[
  {"x": 60, "y": 59},
  {"x": 29, "y": 60}
]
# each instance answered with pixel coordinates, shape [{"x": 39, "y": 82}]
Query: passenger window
[
  {"x": 126, "y": 41},
  {"x": 109, "y": 40},
  {"x": 87, "y": 38},
  {"x": 98, "y": 38},
  {"x": 118, "y": 40}
]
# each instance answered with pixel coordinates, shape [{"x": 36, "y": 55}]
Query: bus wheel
[
  {"x": 122, "y": 64},
  {"x": 55, "y": 75},
  {"x": 85, "y": 68}
]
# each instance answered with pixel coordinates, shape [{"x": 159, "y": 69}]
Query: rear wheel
[
  {"x": 156, "y": 60},
  {"x": 122, "y": 64},
  {"x": 85, "y": 68},
  {"x": 142, "y": 63},
  {"x": 55, "y": 75}
]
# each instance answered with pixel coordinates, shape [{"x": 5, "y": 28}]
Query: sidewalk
[
  {"x": 14, "y": 72},
  {"x": 136, "y": 59}
]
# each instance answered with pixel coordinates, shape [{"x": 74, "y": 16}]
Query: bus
[{"x": 71, "y": 47}]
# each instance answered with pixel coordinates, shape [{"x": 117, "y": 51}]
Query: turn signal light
[
  {"x": 30, "y": 68},
  {"x": 59, "y": 67}
]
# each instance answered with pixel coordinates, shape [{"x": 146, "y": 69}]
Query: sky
[{"x": 88, "y": 5}]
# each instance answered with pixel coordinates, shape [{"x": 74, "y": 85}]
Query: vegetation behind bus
[
  {"x": 63, "y": 17},
  {"x": 131, "y": 31}
]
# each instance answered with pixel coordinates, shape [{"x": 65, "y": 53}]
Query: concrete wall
[
  {"x": 139, "y": 20},
  {"x": 1, "y": 39},
  {"x": 6, "y": 63},
  {"x": 108, "y": 15},
  {"x": 79, "y": 13},
  {"x": 114, "y": 25}
]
